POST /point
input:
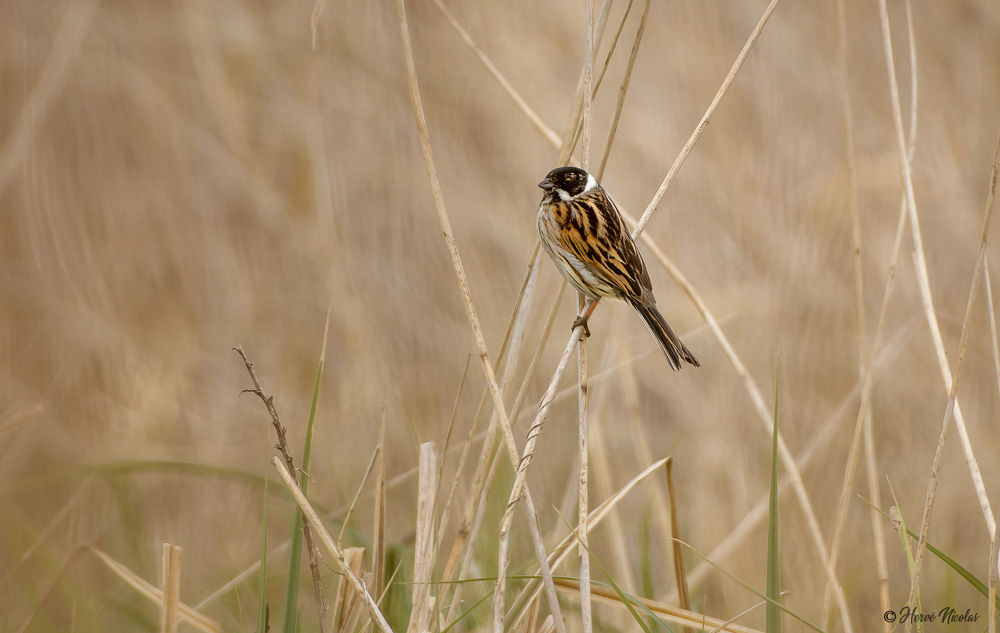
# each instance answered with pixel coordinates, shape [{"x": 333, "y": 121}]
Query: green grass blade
[
  {"x": 772, "y": 617},
  {"x": 307, "y": 448},
  {"x": 295, "y": 552}
]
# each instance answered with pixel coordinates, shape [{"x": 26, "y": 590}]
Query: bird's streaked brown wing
[{"x": 595, "y": 233}]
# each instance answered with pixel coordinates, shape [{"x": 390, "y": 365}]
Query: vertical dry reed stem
[
  {"x": 583, "y": 506},
  {"x": 878, "y": 534},
  {"x": 583, "y": 501},
  {"x": 683, "y": 596},
  {"x": 171, "y": 564},
  {"x": 862, "y": 428},
  {"x": 424, "y": 550}
]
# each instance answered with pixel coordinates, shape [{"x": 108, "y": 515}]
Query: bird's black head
[{"x": 568, "y": 182}]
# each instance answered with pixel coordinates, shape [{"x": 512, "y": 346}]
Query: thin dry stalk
[
  {"x": 317, "y": 13},
  {"x": 45, "y": 534},
  {"x": 470, "y": 308},
  {"x": 424, "y": 548},
  {"x": 862, "y": 428},
  {"x": 446, "y": 512},
  {"x": 361, "y": 487},
  {"x": 744, "y": 612},
  {"x": 519, "y": 101},
  {"x": 293, "y": 472},
  {"x": 923, "y": 278},
  {"x": 171, "y": 575},
  {"x": 574, "y": 124},
  {"x": 993, "y": 571},
  {"x": 588, "y": 87},
  {"x": 577, "y": 126},
  {"x": 475, "y": 526},
  {"x": 993, "y": 321},
  {"x": 583, "y": 504},
  {"x": 877, "y": 525},
  {"x": 622, "y": 91},
  {"x": 641, "y": 444},
  {"x": 603, "y": 471},
  {"x": 668, "y": 613},
  {"x": 612, "y": 48},
  {"x": 868, "y": 384},
  {"x": 953, "y": 390},
  {"x": 583, "y": 501},
  {"x": 696, "y": 134},
  {"x": 683, "y": 596},
  {"x": 845, "y": 105},
  {"x": 338, "y": 555},
  {"x": 19, "y": 417},
  {"x": 378, "y": 524}
]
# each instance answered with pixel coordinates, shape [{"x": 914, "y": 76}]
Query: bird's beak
[{"x": 546, "y": 184}]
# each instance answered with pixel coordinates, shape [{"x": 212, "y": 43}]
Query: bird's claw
[{"x": 582, "y": 321}]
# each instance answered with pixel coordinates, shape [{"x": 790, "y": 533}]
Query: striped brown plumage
[{"x": 583, "y": 232}]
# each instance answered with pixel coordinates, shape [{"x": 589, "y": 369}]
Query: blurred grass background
[{"x": 179, "y": 178}]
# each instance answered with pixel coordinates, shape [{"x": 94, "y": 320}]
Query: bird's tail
[{"x": 660, "y": 329}]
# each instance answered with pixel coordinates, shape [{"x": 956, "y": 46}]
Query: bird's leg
[{"x": 582, "y": 319}]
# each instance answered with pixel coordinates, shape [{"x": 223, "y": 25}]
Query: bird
[{"x": 583, "y": 233}]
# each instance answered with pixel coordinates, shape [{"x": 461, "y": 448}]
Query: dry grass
[{"x": 181, "y": 178}]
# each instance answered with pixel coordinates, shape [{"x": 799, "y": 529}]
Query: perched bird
[{"x": 583, "y": 232}]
